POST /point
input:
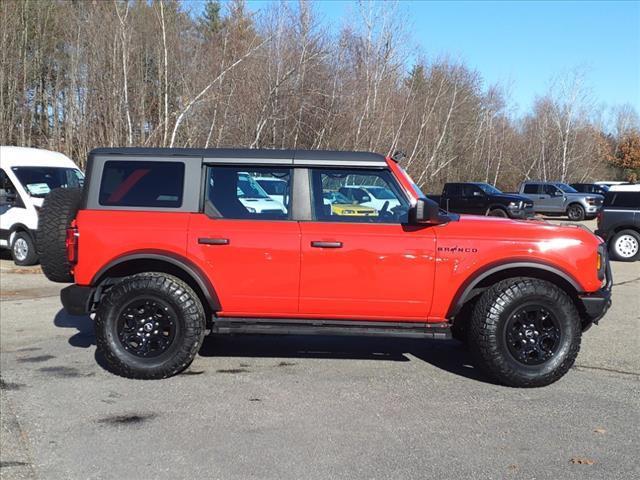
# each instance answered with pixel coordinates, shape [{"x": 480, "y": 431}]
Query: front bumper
[
  {"x": 596, "y": 304},
  {"x": 76, "y": 299},
  {"x": 592, "y": 209},
  {"x": 521, "y": 213}
]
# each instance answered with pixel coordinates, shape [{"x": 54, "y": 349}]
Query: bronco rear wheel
[
  {"x": 525, "y": 332},
  {"x": 150, "y": 326}
]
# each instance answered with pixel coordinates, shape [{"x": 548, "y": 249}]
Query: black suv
[
  {"x": 590, "y": 188},
  {"x": 619, "y": 222},
  {"x": 483, "y": 199}
]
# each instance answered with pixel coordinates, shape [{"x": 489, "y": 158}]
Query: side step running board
[{"x": 281, "y": 326}]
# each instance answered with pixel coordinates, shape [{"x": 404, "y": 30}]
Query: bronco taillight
[{"x": 72, "y": 244}]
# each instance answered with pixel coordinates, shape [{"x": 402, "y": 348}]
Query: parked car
[
  {"x": 337, "y": 204},
  {"x": 27, "y": 175},
  {"x": 610, "y": 183},
  {"x": 619, "y": 222},
  {"x": 556, "y": 198},
  {"x": 590, "y": 188},
  {"x": 483, "y": 199},
  {"x": 275, "y": 188},
  {"x": 160, "y": 261},
  {"x": 254, "y": 198},
  {"x": 370, "y": 196}
]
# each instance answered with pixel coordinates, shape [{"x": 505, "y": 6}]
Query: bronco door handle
[
  {"x": 326, "y": 244},
  {"x": 213, "y": 241}
]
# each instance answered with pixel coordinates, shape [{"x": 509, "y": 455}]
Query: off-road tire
[
  {"x": 487, "y": 332},
  {"x": 22, "y": 238},
  {"x": 619, "y": 255},
  {"x": 576, "y": 212},
  {"x": 190, "y": 326},
  {"x": 498, "y": 212},
  {"x": 58, "y": 211}
]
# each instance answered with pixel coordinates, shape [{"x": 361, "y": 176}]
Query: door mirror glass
[
  {"x": 425, "y": 211},
  {"x": 477, "y": 193}
]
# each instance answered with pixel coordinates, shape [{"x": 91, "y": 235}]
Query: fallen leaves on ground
[{"x": 581, "y": 461}]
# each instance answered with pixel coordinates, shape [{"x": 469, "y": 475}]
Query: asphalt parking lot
[{"x": 308, "y": 407}]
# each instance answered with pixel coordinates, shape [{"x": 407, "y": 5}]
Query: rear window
[
  {"x": 622, "y": 199},
  {"x": 142, "y": 184}
]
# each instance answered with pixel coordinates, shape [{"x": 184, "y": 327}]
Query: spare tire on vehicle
[{"x": 58, "y": 211}]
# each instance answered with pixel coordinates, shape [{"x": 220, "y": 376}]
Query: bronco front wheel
[
  {"x": 525, "y": 332},
  {"x": 150, "y": 326}
]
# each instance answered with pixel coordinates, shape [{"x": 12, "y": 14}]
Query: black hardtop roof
[{"x": 333, "y": 155}]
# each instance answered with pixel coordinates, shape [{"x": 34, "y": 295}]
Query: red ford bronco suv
[{"x": 164, "y": 245}]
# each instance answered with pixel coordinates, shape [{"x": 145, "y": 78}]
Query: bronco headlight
[
  {"x": 348, "y": 212},
  {"x": 514, "y": 205}
]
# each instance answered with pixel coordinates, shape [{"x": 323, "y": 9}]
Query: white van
[{"x": 27, "y": 175}]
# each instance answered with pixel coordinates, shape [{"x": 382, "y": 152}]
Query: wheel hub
[
  {"x": 146, "y": 328},
  {"x": 20, "y": 249},
  {"x": 627, "y": 246},
  {"x": 532, "y": 335}
]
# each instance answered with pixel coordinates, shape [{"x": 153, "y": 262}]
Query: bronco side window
[
  {"x": 367, "y": 196},
  {"x": 142, "y": 184},
  {"x": 247, "y": 192}
]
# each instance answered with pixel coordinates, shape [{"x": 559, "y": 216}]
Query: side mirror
[
  {"x": 365, "y": 199},
  {"x": 478, "y": 194},
  {"x": 424, "y": 211},
  {"x": 558, "y": 193}
]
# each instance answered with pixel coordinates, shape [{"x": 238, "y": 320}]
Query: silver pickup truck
[{"x": 556, "y": 198}]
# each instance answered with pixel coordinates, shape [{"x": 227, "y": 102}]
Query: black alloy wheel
[
  {"x": 532, "y": 335},
  {"x": 147, "y": 327}
]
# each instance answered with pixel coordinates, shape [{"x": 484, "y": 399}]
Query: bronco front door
[{"x": 364, "y": 265}]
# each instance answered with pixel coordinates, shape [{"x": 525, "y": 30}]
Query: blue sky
[{"x": 523, "y": 45}]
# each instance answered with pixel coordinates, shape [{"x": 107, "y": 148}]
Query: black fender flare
[
  {"x": 465, "y": 292},
  {"x": 174, "y": 259}
]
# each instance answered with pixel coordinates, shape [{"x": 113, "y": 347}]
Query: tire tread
[{"x": 483, "y": 330}]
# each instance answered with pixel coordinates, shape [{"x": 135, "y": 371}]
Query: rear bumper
[{"x": 76, "y": 299}]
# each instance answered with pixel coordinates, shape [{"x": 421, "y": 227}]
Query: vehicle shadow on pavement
[
  {"x": 448, "y": 355},
  {"x": 85, "y": 335}
]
